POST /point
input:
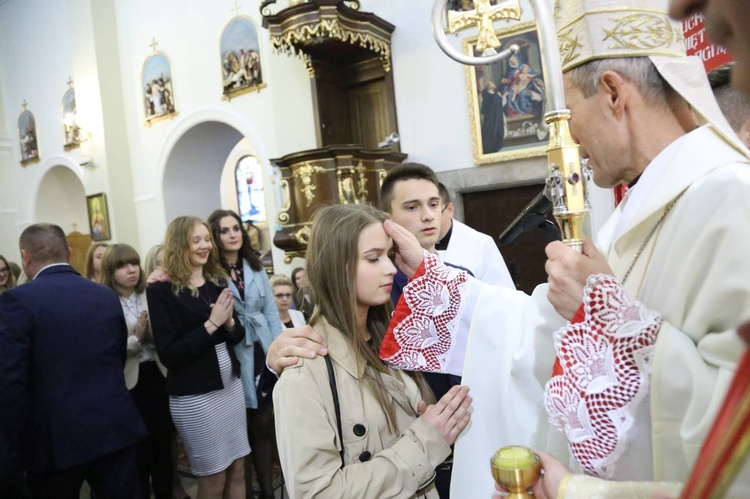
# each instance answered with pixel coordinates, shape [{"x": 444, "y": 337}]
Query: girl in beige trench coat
[{"x": 392, "y": 440}]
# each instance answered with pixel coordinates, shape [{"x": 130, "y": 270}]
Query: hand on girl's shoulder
[{"x": 157, "y": 275}]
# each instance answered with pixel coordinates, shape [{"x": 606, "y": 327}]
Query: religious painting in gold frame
[
  {"x": 69, "y": 120},
  {"x": 157, "y": 88},
  {"x": 507, "y": 99},
  {"x": 98, "y": 217},
  {"x": 27, "y": 137},
  {"x": 241, "y": 68}
]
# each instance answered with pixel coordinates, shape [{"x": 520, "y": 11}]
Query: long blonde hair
[
  {"x": 332, "y": 257},
  {"x": 90, "y": 259},
  {"x": 177, "y": 256},
  {"x": 149, "y": 264}
]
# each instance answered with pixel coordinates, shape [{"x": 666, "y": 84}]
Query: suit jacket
[
  {"x": 183, "y": 344},
  {"x": 260, "y": 317},
  {"x": 64, "y": 400},
  {"x": 132, "y": 365}
]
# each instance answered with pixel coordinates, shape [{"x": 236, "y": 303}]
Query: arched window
[{"x": 249, "y": 182}]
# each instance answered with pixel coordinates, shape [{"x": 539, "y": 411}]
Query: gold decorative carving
[
  {"x": 303, "y": 235},
  {"x": 482, "y": 17},
  {"x": 381, "y": 177},
  {"x": 290, "y": 39},
  {"x": 305, "y": 173},
  {"x": 641, "y": 32},
  {"x": 283, "y": 216},
  {"x": 569, "y": 46},
  {"x": 346, "y": 187},
  {"x": 362, "y": 191}
]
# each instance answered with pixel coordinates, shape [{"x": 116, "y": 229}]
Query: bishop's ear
[{"x": 615, "y": 89}]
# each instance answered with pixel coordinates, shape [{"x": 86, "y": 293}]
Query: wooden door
[{"x": 491, "y": 212}]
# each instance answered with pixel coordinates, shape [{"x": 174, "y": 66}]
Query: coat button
[
  {"x": 359, "y": 429},
  {"x": 365, "y": 456}
]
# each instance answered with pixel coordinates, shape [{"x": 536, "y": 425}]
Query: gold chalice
[{"x": 516, "y": 468}]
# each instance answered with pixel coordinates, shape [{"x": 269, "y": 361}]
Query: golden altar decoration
[{"x": 345, "y": 174}]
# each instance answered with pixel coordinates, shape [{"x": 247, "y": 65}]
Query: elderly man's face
[
  {"x": 597, "y": 135},
  {"x": 728, "y": 25}
]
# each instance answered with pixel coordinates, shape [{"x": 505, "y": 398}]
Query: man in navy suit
[{"x": 65, "y": 412}]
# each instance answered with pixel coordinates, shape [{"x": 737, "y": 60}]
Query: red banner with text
[{"x": 696, "y": 42}]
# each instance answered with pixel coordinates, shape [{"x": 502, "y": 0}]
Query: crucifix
[
  {"x": 153, "y": 44},
  {"x": 70, "y": 82},
  {"x": 483, "y": 15},
  {"x": 236, "y": 8},
  {"x": 24, "y": 104}
]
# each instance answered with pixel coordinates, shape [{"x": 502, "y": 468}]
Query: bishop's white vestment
[
  {"x": 670, "y": 324},
  {"x": 478, "y": 253}
]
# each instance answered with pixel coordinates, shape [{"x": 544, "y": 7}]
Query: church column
[{"x": 101, "y": 109}]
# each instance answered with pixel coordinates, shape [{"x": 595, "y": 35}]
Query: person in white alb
[
  {"x": 468, "y": 248},
  {"x": 630, "y": 388}
]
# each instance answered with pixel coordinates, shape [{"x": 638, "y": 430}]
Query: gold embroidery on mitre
[
  {"x": 641, "y": 32},
  {"x": 569, "y": 46}
]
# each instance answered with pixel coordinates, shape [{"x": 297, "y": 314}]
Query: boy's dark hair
[
  {"x": 404, "y": 171},
  {"x": 445, "y": 195}
]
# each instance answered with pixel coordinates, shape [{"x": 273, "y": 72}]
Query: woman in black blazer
[{"x": 193, "y": 323}]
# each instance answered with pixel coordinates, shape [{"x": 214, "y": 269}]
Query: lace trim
[
  {"x": 606, "y": 362},
  {"x": 430, "y": 306}
]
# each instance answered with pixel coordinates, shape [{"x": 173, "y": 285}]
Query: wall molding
[{"x": 144, "y": 199}]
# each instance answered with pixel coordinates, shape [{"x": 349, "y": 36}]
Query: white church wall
[
  {"x": 188, "y": 32},
  {"x": 68, "y": 210},
  {"x": 35, "y": 63}
]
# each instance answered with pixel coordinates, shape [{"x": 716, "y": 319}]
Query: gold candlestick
[{"x": 516, "y": 468}]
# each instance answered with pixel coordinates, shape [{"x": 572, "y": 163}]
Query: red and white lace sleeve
[
  {"x": 423, "y": 328},
  {"x": 605, "y": 363}
]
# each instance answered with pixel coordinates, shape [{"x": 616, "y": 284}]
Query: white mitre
[{"x": 603, "y": 29}]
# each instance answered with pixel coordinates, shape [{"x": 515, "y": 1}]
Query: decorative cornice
[
  {"x": 6, "y": 143},
  {"x": 300, "y": 28}
]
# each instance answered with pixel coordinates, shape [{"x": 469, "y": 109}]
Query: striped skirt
[{"x": 213, "y": 425}]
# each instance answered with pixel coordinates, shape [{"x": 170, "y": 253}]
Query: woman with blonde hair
[
  {"x": 94, "y": 261},
  {"x": 194, "y": 325},
  {"x": 7, "y": 278},
  {"x": 144, "y": 374},
  {"x": 347, "y": 424},
  {"x": 283, "y": 293},
  {"x": 154, "y": 259}
]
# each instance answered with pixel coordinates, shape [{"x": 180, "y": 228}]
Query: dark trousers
[
  {"x": 440, "y": 384},
  {"x": 260, "y": 434},
  {"x": 114, "y": 476},
  {"x": 154, "y": 451}
]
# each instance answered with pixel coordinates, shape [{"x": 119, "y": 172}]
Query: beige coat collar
[{"x": 344, "y": 356}]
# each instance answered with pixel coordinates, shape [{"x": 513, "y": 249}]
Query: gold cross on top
[
  {"x": 483, "y": 15},
  {"x": 236, "y": 8},
  {"x": 153, "y": 44},
  {"x": 70, "y": 82},
  {"x": 24, "y": 104}
]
